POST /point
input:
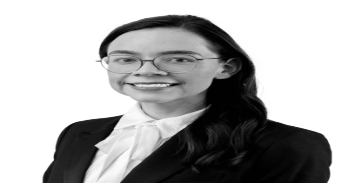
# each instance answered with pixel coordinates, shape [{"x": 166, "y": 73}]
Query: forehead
[{"x": 159, "y": 39}]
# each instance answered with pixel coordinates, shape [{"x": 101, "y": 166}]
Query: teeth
[{"x": 152, "y": 85}]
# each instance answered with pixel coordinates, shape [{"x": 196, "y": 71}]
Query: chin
[
  {"x": 148, "y": 100},
  {"x": 152, "y": 99}
]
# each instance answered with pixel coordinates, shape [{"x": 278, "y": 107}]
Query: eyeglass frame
[{"x": 153, "y": 63}]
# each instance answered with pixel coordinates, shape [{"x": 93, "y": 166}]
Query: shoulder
[
  {"x": 88, "y": 126},
  {"x": 287, "y": 153},
  {"x": 280, "y": 134},
  {"x": 97, "y": 123}
]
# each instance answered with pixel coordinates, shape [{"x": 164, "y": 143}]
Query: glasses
[{"x": 123, "y": 64}]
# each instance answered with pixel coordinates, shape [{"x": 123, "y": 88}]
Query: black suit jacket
[{"x": 285, "y": 155}]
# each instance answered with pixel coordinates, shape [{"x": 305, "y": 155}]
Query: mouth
[{"x": 153, "y": 85}]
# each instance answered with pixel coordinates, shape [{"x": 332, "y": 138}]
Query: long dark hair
[{"x": 236, "y": 118}]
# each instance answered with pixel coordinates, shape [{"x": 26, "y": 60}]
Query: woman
[{"x": 197, "y": 119}]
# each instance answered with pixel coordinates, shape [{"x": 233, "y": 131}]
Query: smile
[{"x": 152, "y": 85}]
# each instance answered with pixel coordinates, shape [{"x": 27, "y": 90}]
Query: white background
[{"x": 49, "y": 77}]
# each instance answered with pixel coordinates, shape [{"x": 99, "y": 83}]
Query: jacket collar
[
  {"x": 84, "y": 150},
  {"x": 161, "y": 163}
]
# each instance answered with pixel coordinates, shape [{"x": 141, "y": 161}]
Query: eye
[
  {"x": 122, "y": 60},
  {"x": 179, "y": 60}
]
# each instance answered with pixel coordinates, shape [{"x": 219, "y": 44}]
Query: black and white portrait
[{"x": 180, "y": 91}]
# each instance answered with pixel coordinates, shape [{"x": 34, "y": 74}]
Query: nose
[{"x": 148, "y": 68}]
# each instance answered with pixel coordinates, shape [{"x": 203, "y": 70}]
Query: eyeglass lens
[{"x": 168, "y": 63}]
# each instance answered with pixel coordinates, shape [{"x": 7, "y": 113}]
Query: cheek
[
  {"x": 200, "y": 81},
  {"x": 115, "y": 83}
]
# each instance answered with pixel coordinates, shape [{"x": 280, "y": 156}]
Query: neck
[{"x": 172, "y": 109}]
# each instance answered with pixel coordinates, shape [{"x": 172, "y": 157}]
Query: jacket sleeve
[
  {"x": 301, "y": 157},
  {"x": 49, "y": 169}
]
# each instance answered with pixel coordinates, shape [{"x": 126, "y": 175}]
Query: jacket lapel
[
  {"x": 159, "y": 165},
  {"x": 84, "y": 150}
]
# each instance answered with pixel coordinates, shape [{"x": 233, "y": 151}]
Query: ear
[{"x": 229, "y": 68}]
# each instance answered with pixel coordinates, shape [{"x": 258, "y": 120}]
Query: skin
[{"x": 190, "y": 94}]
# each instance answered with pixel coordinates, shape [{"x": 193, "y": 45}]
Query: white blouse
[{"x": 134, "y": 138}]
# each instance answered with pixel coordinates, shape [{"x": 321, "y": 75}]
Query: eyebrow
[{"x": 159, "y": 53}]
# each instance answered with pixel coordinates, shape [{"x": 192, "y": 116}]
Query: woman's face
[{"x": 147, "y": 44}]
